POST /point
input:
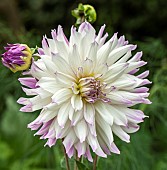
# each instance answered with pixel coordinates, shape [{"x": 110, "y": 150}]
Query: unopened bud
[
  {"x": 17, "y": 57},
  {"x": 84, "y": 13}
]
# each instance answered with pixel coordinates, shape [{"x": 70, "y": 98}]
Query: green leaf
[
  {"x": 81, "y": 166},
  {"x": 62, "y": 163},
  {"x": 6, "y": 150}
]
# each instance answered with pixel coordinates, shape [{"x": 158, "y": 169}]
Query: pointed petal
[
  {"x": 119, "y": 116},
  {"x": 81, "y": 130},
  {"x": 62, "y": 116},
  {"x": 89, "y": 113},
  {"x": 69, "y": 140},
  {"x": 61, "y": 95},
  {"x": 118, "y": 53},
  {"x": 81, "y": 148},
  {"x": 104, "y": 112},
  {"x": 104, "y": 129},
  {"x": 120, "y": 133},
  {"x": 74, "y": 58},
  {"x": 76, "y": 117},
  {"x": 76, "y": 101}
]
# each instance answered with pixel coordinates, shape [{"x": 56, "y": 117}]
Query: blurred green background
[{"x": 142, "y": 22}]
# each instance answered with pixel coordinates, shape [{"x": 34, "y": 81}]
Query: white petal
[
  {"x": 74, "y": 58},
  {"x": 131, "y": 128},
  {"x": 92, "y": 54},
  {"x": 51, "y": 106},
  {"x": 38, "y": 103},
  {"x": 28, "y": 82},
  {"x": 23, "y": 101},
  {"x": 62, "y": 132},
  {"x": 37, "y": 91},
  {"x": 100, "y": 33},
  {"x": 103, "y": 144},
  {"x": 114, "y": 148},
  {"x": 76, "y": 117},
  {"x": 134, "y": 116},
  {"x": 102, "y": 40},
  {"x": 92, "y": 142},
  {"x": 114, "y": 40},
  {"x": 134, "y": 97},
  {"x": 62, "y": 49},
  {"x": 101, "y": 69},
  {"x": 125, "y": 57},
  {"x": 136, "y": 57},
  {"x": 130, "y": 82},
  {"x": 48, "y": 115},
  {"x": 49, "y": 64},
  {"x": 63, "y": 114},
  {"x": 62, "y": 65},
  {"x": 40, "y": 64},
  {"x": 104, "y": 112},
  {"x": 92, "y": 128},
  {"x": 87, "y": 29},
  {"x": 64, "y": 80},
  {"x": 70, "y": 153},
  {"x": 81, "y": 130},
  {"x": 104, "y": 128},
  {"x": 115, "y": 72},
  {"x": 103, "y": 52},
  {"x": 99, "y": 151},
  {"x": 69, "y": 140},
  {"x": 52, "y": 45},
  {"x": 88, "y": 34},
  {"x": 89, "y": 113},
  {"x": 121, "y": 41},
  {"x": 120, "y": 133},
  {"x": 49, "y": 84},
  {"x": 143, "y": 75},
  {"x": 60, "y": 35},
  {"x": 76, "y": 101},
  {"x": 117, "y": 53},
  {"x": 87, "y": 67},
  {"x": 118, "y": 115},
  {"x": 81, "y": 148},
  {"x": 118, "y": 99},
  {"x": 88, "y": 154},
  {"x": 134, "y": 65},
  {"x": 61, "y": 95},
  {"x": 71, "y": 112},
  {"x": 33, "y": 104},
  {"x": 75, "y": 36},
  {"x": 45, "y": 45},
  {"x": 37, "y": 73},
  {"x": 125, "y": 82}
]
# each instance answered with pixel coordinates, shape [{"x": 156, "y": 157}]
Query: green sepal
[{"x": 33, "y": 49}]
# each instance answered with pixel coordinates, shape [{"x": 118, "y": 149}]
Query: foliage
[{"x": 143, "y": 22}]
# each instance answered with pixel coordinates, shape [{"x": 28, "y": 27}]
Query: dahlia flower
[
  {"x": 17, "y": 57},
  {"x": 84, "y": 88}
]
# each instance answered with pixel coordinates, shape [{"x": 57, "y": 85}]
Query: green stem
[
  {"x": 66, "y": 158},
  {"x": 95, "y": 162},
  {"x": 76, "y": 157}
]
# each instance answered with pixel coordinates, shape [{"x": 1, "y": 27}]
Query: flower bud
[
  {"x": 17, "y": 57},
  {"x": 84, "y": 13},
  {"x": 90, "y": 13}
]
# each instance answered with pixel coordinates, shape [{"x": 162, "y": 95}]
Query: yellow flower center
[{"x": 91, "y": 89}]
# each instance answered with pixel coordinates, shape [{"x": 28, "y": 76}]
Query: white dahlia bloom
[{"x": 84, "y": 88}]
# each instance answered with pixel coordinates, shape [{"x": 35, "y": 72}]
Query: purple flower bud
[{"x": 17, "y": 57}]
